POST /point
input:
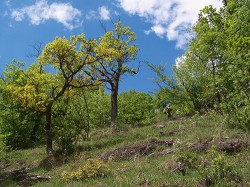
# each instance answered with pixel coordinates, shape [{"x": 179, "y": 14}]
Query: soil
[
  {"x": 226, "y": 145},
  {"x": 131, "y": 151},
  {"x": 147, "y": 148},
  {"x": 22, "y": 176}
]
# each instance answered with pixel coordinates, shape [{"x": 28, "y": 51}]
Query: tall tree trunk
[
  {"x": 87, "y": 129},
  {"x": 216, "y": 91},
  {"x": 47, "y": 128},
  {"x": 114, "y": 105}
]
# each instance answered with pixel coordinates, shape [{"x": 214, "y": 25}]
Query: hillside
[{"x": 188, "y": 151}]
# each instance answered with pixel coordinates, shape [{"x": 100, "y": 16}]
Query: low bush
[{"x": 92, "y": 169}]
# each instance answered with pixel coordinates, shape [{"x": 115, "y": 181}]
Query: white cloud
[
  {"x": 17, "y": 15},
  {"x": 147, "y": 32},
  {"x": 41, "y": 11},
  {"x": 104, "y": 13},
  {"x": 159, "y": 30},
  {"x": 91, "y": 15},
  {"x": 169, "y": 18}
]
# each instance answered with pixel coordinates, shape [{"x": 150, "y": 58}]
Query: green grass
[{"x": 201, "y": 168}]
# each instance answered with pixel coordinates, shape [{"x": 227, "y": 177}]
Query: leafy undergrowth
[{"x": 143, "y": 159}]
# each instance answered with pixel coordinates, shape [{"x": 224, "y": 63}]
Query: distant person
[{"x": 167, "y": 110}]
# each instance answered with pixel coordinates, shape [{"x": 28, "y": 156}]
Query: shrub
[
  {"x": 17, "y": 127},
  {"x": 237, "y": 110},
  {"x": 135, "y": 108},
  {"x": 219, "y": 170},
  {"x": 213, "y": 167},
  {"x": 92, "y": 169},
  {"x": 77, "y": 116}
]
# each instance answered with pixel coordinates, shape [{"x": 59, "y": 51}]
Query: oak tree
[
  {"x": 115, "y": 50},
  {"x": 59, "y": 69}
]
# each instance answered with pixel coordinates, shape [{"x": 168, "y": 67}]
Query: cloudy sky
[{"x": 163, "y": 28}]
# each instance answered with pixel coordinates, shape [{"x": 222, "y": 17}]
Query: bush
[
  {"x": 66, "y": 136},
  {"x": 213, "y": 167},
  {"x": 135, "y": 108},
  {"x": 16, "y": 127},
  {"x": 219, "y": 171},
  {"x": 19, "y": 126},
  {"x": 237, "y": 110},
  {"x": 92, "y": 169},
  {"x": 78, "y": 116}
]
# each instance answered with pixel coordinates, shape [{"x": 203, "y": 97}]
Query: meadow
[{"x": 203, "y": 152}]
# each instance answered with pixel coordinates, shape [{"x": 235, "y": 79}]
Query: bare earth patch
[
  {"x": 147, "y": 148},
  {"x": 227, "y": 145},
  {"x": 130, "y": 151},
  {"x": 22, "y": 176}
]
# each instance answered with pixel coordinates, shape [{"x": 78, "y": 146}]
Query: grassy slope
[{"x": 149, "y": 170}]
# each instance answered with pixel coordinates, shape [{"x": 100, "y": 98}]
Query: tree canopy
[
  {"x": 215, "y": 68},
  {"x": 66, "y": 65}
]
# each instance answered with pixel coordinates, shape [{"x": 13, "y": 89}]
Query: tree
[
  {"x": 215, "y": 70},
  {"x": 19, "y": 126},
  {"x": 201, "y": 63},
  {"x": 225, "y": 36},
  {"x": 170, "y": 91},
  {"x": 236, "y": 69},
  {"x": 194, "y": 78},
  {"x": 135, "y": 108},
  {"x": 115, "y": 50},
  {"x": 66, "y": 62},
  {"x": 79, "y": 114}
]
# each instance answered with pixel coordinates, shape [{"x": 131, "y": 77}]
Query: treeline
[
  {"x": 73, "y": 118},
  {"x": 60, "y": 97},
  {"x": 62, "y": 69},
  {"x": 214, "y": 72}
]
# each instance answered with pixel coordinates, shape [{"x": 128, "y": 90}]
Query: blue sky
[{"x": 162, "y": 28}]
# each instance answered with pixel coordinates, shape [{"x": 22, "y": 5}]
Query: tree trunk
[
  {"x": 216, "y": 91},
  {"x": 87, "y": 129},
  {"x": 47, "y": 128},
  {"x": 114, "y": 105}
]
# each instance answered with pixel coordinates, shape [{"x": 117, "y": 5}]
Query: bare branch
[
  {"x": 38, "y": 50},
  {"x": 138, "y": 69},
  {"x": 103, "y": 26}
]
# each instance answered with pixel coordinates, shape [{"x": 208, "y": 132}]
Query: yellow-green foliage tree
[
  {"x": 115, "y": 50},
  {"x": 61, "y": 68},
  {"x": 20, "y": 125}
]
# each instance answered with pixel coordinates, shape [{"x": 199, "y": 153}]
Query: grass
[{"x": 201, "y": 169}]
